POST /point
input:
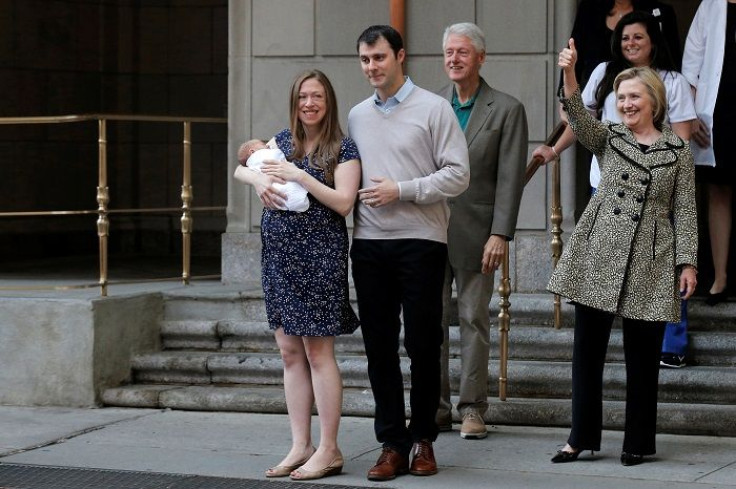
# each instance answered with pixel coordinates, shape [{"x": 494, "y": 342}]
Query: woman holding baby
[{"x": 305, "y": 269}]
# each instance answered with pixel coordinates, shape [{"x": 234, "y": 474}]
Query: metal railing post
[
  {"x": 504, "y": 320},
  {"x": 186, "y": 200},
  {"x": 103, "y": 199},
  {"x": 556, "y": 211},
  {"x": 104, "y": 213},
  {"x": 556, "y": 243}
]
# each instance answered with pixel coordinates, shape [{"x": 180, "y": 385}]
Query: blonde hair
[
  {"x": 655, "y": 87},
  {"x": 327, "y": 150}
]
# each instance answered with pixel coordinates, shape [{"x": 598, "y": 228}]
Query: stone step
[
  {"x": 674, "y": 417},
  {"x": 705, "y": 348},
  {"x": 245, "y": 303},
  {"x": 538, "y": 310},
  {"x": 525, "y": 342},
  {"x": 232, "y": 363},
  {"x": 232, "y": 335},
  {"x": 527, "y": 379}
]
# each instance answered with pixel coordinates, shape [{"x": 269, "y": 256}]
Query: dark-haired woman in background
[
  {"x": 596, "y": 21},
  {"x": 637, "y": 42}
]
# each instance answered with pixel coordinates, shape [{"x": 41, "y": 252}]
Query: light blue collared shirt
[{"x": 396, "y": 99}]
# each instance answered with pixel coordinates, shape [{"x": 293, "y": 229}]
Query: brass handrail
[
  {"x": 504, "y": 321},
  {"x": 147, "y": 210},
  {"x": 61, "y": 119},
  {"x": 103, "y": 196},
  {"x": 504, "y": 287},
  {"x": 538, "y": 161}
]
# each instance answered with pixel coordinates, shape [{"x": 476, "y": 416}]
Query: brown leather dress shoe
[
  {"x": 423, "y": 462},
  {"x": 390, "y": 464}
]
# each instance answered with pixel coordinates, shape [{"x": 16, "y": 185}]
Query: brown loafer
[
  {"x": 390, "y": 464},
  {"x": 423, "y": 462}
]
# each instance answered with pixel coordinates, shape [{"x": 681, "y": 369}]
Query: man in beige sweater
[{"x": 413, "y": 157}]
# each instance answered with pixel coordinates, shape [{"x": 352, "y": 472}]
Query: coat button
[
  {"x": 639, "y": 199},
  {"x": 644, "y": 180},
  {"x": 621, "y": 193},
  {"x": 624, "y": 176},
  {"x": 635, "y": 217},
  {"x": 617, "y": 211}
]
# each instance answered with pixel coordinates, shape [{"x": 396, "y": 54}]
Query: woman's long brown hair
[{"x": 327, "y": 150}]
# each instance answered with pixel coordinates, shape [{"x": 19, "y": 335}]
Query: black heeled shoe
[
  {"x": 629, "y": 459},
  {"x": 716, "y": 298},
  {"x": 562, "y": 457}
]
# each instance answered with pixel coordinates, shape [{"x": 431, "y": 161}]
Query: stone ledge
[{"x": 675, "y": 418}]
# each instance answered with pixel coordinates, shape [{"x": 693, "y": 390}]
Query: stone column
[{"x": 239, "y": 259}]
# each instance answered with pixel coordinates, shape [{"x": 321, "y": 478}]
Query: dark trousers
[
  {"x": 642, "y": 347},
  {"x": 394, "y": 277}
]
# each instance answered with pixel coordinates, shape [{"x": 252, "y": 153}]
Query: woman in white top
[
  {"x": 640, "y": 43},
  {"x": 709, "y": 64}
]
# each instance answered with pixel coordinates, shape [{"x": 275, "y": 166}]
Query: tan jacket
[{"x": 626, "y": 251}]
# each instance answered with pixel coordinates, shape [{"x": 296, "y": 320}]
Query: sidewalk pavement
[{"x": 243, "y": 445}]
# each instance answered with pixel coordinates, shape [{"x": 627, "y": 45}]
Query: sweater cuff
[{"x": 407, "y": 191}]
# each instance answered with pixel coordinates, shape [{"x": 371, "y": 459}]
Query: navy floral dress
[{"x": 305, "y": 261}]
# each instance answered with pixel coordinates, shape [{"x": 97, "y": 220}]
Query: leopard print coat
[{"x": 638, "y": 230}]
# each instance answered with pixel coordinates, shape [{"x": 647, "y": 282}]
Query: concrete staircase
[{"x": 218, "y": 354}]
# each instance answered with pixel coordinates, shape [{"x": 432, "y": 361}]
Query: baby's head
[{"x": 248, "y": 148}]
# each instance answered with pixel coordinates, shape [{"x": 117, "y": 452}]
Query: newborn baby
[{"x": 253, "y": 153}]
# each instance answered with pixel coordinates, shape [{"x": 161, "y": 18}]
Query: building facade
[
  {"x": 273, "y": 40},
  {"x": 234, "y": 59}
]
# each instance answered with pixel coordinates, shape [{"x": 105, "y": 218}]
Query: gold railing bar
[
  {"x": 55, "y": 119},
  {"x": 164, "y": 279},
  {"x": 167, "y": 209},
  {"x": 504, "y": 321},
  {"x": 60, "y": 119},
  {"x": 46, "y": 213},
  {"x": 110, "y": 282},
  {"x": 504, "y": 287},
  {"x": 103, "y": 195},
  {"x": 48, "y": 287},
  {"x": 103, "y": 198},
  {"x": 186, "y": 200},
  {"x": 556, "y": 210},
  {"x": 535, "y": 163},
  {"x": 162, "y": 118},
  {"x": 111, "y": 211},
  {"x": 556, "y": 243}
]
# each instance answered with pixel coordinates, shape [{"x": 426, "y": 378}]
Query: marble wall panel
[
  {"x": 424, "y": 31},
  {"x": 283, "y": 28},
  {"x": 518, "y": 26},
  {"x": 340, "y": 22}
]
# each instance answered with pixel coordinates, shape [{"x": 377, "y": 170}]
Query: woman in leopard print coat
[{"x": 632, "y": 254}]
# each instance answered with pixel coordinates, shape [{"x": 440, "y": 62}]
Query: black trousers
[
  {"x": 394, "y": 277},
  {"x": 642, "y": 350}
]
